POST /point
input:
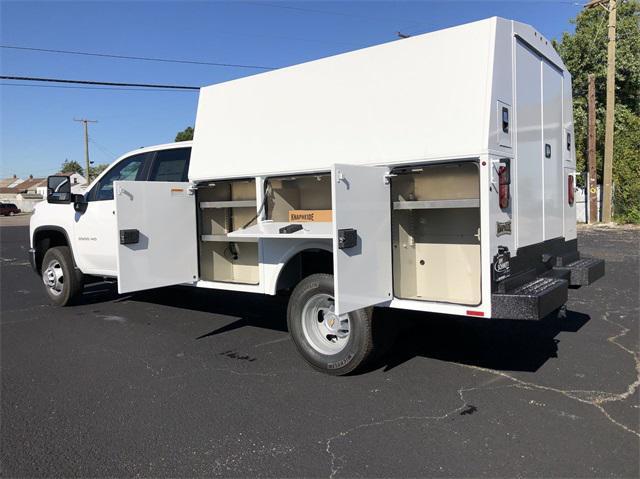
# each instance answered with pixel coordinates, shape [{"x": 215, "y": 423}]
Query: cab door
[
  {"x": 157, "y": 235},
  {"x": 95, "y": 229},
  {"x": 361, "y": 237}
]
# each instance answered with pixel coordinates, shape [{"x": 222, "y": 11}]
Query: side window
[
  {"x": 171, "y": 165},
  {"x": 130, "y": 169}
]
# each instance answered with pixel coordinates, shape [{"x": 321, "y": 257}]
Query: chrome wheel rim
[
  {"x": 324, "y": 330},
  {"x": 53, "y": 277}
]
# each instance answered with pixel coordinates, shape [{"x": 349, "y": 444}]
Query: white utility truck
[{"x": 434, "y": 173}]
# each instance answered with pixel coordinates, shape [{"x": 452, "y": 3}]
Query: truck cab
[{"x": 84, "y": 226}]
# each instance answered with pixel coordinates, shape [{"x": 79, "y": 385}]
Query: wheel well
[
  {"x": 303, "y": 264},
  {"x": 45, "y": 239}
]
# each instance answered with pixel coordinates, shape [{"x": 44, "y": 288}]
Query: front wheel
[
  {"x": 330, "y": 343},
  {"x": 62, "y": 281}
]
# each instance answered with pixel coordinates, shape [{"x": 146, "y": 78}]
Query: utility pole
[
  {"x": 86, "y": 144},
  {"x": 592, "y": 187},
  {"x": 611, "y": 100}
]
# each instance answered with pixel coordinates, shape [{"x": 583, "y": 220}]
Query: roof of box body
[{"x": 424, "y": 97}]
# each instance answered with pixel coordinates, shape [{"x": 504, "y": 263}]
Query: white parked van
[{"x": 434, "y": 173}]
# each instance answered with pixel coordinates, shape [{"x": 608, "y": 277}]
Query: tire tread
[
  {"x": 362, "y": 353},
  {"x": 73, "y": 277}
]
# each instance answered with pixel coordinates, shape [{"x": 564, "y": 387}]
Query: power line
[
  {"x": 131, "y": 57},
  {"x": 91, "y": 82},
  {"x": 94, "y": 88},
  {"x": 108, "y": 156},
  {"x": 329, "y": 12},
  {"x": 102, "y": 147}
]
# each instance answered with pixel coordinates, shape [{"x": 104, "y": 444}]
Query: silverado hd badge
[{"x": 501, "y": 264}]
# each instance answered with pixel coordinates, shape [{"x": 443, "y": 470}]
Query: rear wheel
[
  {"x": 63, "y": 283},
  {"x": 330, "y": 343}
]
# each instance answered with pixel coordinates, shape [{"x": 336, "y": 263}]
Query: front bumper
[{"x": 32, "y": 259}]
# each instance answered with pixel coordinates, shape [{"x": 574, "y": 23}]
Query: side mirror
[
  {"x": 58, "y": 189},
  {"x": 80, "y": 203}
]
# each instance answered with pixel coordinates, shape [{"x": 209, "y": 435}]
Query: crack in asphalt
[
  {"x": 465, "y": 407},
  {"x": 592, "y": 397}
]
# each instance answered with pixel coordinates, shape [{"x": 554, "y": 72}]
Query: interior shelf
[
  {"x": 270, "y": 229},
  {"x": 228, "y": 204},
  {"x": 224, "y": 238},
  {"x": 223, "y": 207},
  {"x": 433, "y": 204}
]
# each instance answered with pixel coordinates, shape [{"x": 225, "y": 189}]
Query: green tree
[
  {"x": 585, "y": 52},
  {"x": 94, "y": 171},
  {"x": 185, "y": 135},
  {"x": 71, "y": 167}
]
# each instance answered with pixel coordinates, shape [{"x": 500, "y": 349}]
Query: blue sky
[{"x": 37, "y": 131}]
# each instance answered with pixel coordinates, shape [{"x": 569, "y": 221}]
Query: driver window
[{"x": 129, "y": 169}]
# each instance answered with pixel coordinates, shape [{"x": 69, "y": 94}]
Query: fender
[
  {"x": 272, "y": 267},
  {"x": 37, "y": 257}
]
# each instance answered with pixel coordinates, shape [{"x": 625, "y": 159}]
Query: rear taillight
[
  {"x": 570, "y": 190},
  {"x": 504, "y": 180}
]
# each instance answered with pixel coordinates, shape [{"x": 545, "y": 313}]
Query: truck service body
[{"x": 434, "y": 173}]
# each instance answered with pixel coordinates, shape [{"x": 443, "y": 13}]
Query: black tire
[
  {"x": 359, "y": 345},
  {"x": 67, "y": 289}
]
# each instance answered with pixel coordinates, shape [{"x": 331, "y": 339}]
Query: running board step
[
  {"x": 584, "y": 271},
  {"x": 532, "y": 300}
]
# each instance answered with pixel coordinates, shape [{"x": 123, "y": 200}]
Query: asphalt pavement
[{"x": 183, "y": 382}]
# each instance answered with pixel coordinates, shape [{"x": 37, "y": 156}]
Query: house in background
[
  {"x": 23, "y": 193},
  {"x": 8, "y": 182}
]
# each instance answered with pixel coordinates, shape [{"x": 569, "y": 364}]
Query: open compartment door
[
  {"x": 361, "y": 237},
  {"x": 157, "y": 234}
]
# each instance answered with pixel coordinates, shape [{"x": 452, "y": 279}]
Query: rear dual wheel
[{"x": 330, "y": 343}]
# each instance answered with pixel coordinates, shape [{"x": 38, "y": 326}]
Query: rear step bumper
[
  {"x": 533, "y": 300},
  {"x": 583, "y": 272},
  {"x": 538, "y": 277}
]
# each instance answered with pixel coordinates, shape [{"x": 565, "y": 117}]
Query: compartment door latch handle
[
  {"x": 347, "y": 238},
  {"x": 129, "y": 236}
]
